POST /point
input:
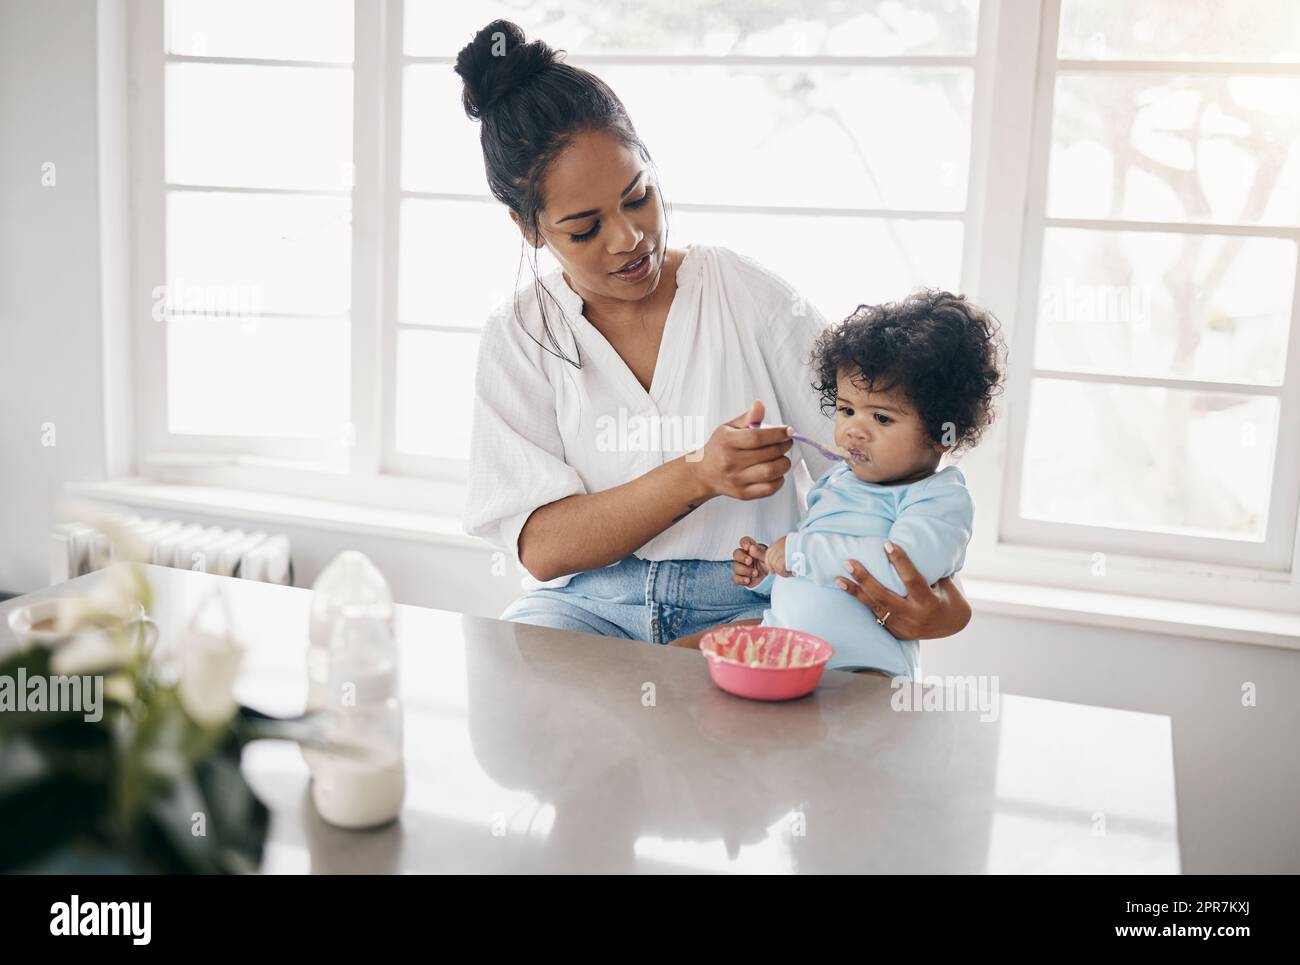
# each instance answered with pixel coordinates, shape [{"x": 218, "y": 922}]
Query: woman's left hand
[{"x": 926, "y": 613}]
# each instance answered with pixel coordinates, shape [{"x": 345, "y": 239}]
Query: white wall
[{"x": 56, "y": 306}]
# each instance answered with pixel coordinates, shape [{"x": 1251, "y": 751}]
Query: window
[
  {"x": 1153, "y": 411},
  {"x": 251, "y": 319}
]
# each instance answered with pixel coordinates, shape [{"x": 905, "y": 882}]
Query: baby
[{"x": 909, "y": 382}]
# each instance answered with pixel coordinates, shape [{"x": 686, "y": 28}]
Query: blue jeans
[{"x": 654, "y": 601}]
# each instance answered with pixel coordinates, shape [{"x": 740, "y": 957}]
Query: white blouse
[{"x": 544, "y": 429}]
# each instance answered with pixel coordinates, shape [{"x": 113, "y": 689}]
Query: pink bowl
[{"x": 765, "y": 663}]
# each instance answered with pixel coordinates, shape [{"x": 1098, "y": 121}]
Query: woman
[{"x": 629, "y": 352}]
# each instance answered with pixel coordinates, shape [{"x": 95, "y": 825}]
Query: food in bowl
[{"x": 765, "y": 663}]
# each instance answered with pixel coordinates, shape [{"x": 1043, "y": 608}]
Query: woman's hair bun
[{"x": 497, "y": 61}]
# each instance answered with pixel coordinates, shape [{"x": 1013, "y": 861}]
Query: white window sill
[
  {"x": 1083, "y": 607},
  {"x": 275, "y": 509},
  {"x": 1202, "y": 621}
]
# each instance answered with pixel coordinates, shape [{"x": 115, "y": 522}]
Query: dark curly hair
[{"x": 945, "y": 354}]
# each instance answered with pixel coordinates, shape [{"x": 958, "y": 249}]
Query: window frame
[
  {"x": 1106, "y": 559},
  {"x": 1275, "y": 552},
  {"x": 149, "y": 189}
]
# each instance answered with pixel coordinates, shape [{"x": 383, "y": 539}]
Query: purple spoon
[{"x": 828, "y": 453}]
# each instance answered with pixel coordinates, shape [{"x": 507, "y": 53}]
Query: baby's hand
[
  {"x": 776, "y": 558},
  {"x": 749, "y": 566}
]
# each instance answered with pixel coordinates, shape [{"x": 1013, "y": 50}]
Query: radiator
[{"x": 76, "y": 549}]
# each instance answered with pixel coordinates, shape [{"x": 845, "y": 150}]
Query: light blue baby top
[{"x": 850, "y": 519}]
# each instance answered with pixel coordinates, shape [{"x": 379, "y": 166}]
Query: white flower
[
  {"x": 90, "y": 652},
  {"x": 120, "y": 687},
  {"x": 112, "y": 602},
  {"x": 209, "y": 666}
]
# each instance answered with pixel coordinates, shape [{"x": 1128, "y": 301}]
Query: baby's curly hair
[{"x": 945, "y": 354}]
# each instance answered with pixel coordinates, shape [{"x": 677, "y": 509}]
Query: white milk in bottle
[{"x": 360, "y": 780}]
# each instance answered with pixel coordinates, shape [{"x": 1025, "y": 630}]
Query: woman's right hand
[{"x": 741, "y": 462}]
